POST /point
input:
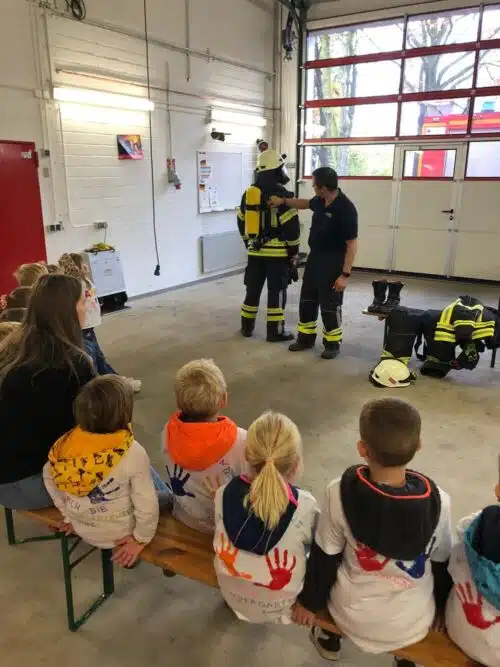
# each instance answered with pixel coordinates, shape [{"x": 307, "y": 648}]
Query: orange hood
[{"x": 198, "y": 445}]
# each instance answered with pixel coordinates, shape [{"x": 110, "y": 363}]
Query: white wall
[{"x": 86, "y": 181}]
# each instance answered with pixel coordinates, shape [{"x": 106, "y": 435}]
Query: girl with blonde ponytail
[{"x": 265, "y": 525}]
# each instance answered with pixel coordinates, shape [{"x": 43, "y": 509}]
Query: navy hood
[
  {"x": 397, "y": 523},
  {"x": 246, "y": 531},
  {"x": 482, "y": 546}
]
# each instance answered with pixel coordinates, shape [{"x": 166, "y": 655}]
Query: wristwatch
[{"x": 346, "y": 274}]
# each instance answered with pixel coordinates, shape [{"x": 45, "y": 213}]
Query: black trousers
[
  {"x": 317, "y": 293},
  {"x": 276, "y": 271}
]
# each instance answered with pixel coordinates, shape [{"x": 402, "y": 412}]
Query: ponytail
[{"x": 273, "y": 452}]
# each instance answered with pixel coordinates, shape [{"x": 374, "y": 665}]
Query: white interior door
[{"x": 426, "y": 208}]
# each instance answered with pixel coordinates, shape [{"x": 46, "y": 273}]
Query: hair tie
[{"x": 269, "y": 460}]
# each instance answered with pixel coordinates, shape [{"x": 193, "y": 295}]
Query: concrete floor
[{"x": 153, "y": 621}]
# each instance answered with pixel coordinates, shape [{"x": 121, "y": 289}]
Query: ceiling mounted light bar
[
  {"x": 102, "y": 99},
  {"x": 226, "y": 116}
]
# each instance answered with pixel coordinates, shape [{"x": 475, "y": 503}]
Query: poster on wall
[{"x": 129, "y": 147}]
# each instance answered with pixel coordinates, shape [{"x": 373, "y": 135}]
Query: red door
[{"x": 22, "y": 236}]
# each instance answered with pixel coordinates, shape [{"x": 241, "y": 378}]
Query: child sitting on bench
[
  {"x": 380, "y": 554},
  {"x": 99, "y": 476},
  {"x": 203, "y": 450},
  {"x": 28, "y": 274},
  {"x": 473, "y": 609},
  {"x": 265, "y": 525}
]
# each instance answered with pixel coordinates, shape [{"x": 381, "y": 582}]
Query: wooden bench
[{"x": 180, "y": 549}]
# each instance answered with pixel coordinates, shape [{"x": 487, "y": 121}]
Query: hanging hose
[
  {"x": 155, "y": 235},
  {"x": 77, "y": 9}
]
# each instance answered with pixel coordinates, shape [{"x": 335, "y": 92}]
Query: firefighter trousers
[
  {"x": 317, "y": 293},
  {"x": 276, "y": 271}
]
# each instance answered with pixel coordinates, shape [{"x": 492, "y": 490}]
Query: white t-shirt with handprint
[
  {"x": 472, "y": 622},
  {"x": 379, "y": 603},
  {"x": 263, "y": 589},
  {"x": 194, "y": 490}
]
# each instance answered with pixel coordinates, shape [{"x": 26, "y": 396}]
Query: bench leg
[
  {"x": 386, "y": 331},
  {"x": 493, "y": 357},
  {"x": 11, "y": 532},
  {"x": 68, "y": 566}
]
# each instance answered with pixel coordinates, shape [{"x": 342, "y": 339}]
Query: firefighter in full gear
[
  {"x": 271, "y": 236},
  {"x": 465, "y": 326}
]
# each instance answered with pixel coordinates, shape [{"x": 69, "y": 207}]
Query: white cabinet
[{"x": 107, "y": 273}]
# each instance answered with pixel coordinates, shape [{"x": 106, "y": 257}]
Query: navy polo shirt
[{"x": 332, "y": 225}]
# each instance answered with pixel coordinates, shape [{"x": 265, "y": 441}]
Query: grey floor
[{"x": 153, "y": 621}]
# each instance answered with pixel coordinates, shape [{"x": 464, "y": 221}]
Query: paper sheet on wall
[{"x": 219, "y": 181}]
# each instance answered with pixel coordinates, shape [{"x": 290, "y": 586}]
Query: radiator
[{"x": 222, "y": 251}]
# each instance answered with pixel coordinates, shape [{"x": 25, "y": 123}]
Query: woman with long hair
[{"x": 42, "y": 368}]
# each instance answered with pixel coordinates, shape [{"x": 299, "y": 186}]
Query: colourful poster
[{"x": 130, "y": 147}]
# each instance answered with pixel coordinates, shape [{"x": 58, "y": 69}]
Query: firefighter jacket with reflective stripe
[
  {"x": 464, "y": 321},
  {"x": 279, "y": 229}
]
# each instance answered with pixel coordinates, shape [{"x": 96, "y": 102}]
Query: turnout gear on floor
[
  {"x": 379, "y": 292},
  {"x": 391, "y": 373},
  {"x": 393, "y": 297},
  {"x": 466, "y": 323},
  {"x": 271, "y": 236}
]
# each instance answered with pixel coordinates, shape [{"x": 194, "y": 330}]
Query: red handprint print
[
  {"x": 280, "y": 574},
  {"x": 228, "y": 553},
  {"x": 367, "y": 558},
  {"x": 473, "y": 609}
]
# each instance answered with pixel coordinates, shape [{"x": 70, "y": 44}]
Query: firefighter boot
[
  {"x": 379, "y": 292},
  {"x": 303, "y": 342},
  {"x": 247, "y": 327},
  {"x": 393, "y": 298},
  {"x": 331, "y": 351},
  {"x": 276, "y": 333}
]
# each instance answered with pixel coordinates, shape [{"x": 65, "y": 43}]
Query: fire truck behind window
[
  {"x": 434, "y": 117},
  {"x": 429, "y": 163}
]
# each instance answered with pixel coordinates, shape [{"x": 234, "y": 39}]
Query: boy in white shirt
[
  {"x": 99, "y": 476},
  {"x": 383, "y": 542},
  {"x": 202, "y": 449},
  {"x": 473, "y": 609},
  {"x": 265, "y": 525}
]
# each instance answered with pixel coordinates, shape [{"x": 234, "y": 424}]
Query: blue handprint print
[
  {"x": 99, "y": 495},
  {"x": 178, "y": 481},
  {"x": 417, "y": 569}
]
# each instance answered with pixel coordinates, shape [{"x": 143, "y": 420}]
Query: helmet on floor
[{"x": 391, "y": 373}]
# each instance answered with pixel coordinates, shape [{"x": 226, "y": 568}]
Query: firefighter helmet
[
  {"x": 391, "y": 373},
  {"x": 269, "y": 160}
]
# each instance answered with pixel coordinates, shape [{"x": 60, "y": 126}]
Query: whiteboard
[{"x": 220, "y": 181}]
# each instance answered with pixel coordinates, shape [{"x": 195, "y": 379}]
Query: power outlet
[
  {"x": 100, "y": 224},
  {"x": 57, "y": 227}
]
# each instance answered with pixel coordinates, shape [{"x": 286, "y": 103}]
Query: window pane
[
  {"x": 491, "y": 23},
  {"x": 361, "y": 80},
  {"x": 442, "y": 28},
  {"x": 489, "y": 68},
  {"x": 365, "y": 120},
  {"x": 439, "y": 72},
  {"x": 431, "y": 163},
  {"x": 356, "y": 40},
  {"x": 486, "y": 114},
  {"x": 434, "y": 117},
  {"x": 351, "y": 160},
  {"x": 483, "y": 160}
]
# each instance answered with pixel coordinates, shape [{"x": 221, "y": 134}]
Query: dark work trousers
[
  {"x": 321, "y": 272},
  {"x": 277, "y": 273}
]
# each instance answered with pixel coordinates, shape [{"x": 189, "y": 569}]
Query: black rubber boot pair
[
  {"x": 380, "y": 303},
  {"x": 307, "y": 341},
  {"x": 275, "y": 331}
]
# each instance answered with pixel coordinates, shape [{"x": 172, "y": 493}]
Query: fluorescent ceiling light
[
  {"x": 102, "y": 99},
  {"x": 223, "y": 116}
]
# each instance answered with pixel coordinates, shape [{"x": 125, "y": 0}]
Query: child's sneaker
[
  {"x": 134, "y": 384},
  {"x": 327, "y": 643}
]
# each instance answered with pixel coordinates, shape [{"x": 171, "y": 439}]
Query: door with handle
[{"x": 428, "y": 189}]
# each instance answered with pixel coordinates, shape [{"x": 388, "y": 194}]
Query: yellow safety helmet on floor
[
  {"x": 269, "y": 160},
  {"x": 391, "y": 373}
]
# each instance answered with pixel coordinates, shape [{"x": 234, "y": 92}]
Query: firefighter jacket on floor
[
  {"x": 268, "y": 232},
  {"x": 465, "y": 323}
]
